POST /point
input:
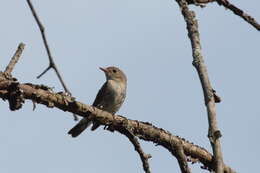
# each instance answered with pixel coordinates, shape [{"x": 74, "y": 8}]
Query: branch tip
[{"x": 14, "y": 59}]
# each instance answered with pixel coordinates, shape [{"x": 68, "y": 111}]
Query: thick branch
[
  {"x": 142, "y": 130},
  {"x": 15, "y": 58},
  {"x": 198, "y": 62}
]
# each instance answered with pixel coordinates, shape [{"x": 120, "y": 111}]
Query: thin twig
[
  {"x": 229, "y": 6},
  {"x": 14, "y": 59},
  {"x": 198, "y": 62},
  {"x": 144, "y": 157},
  {"x": 51, "y": 61},
  {"x": 239, "y": 12}
]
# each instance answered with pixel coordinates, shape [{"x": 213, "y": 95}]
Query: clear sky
[{"x": 148, "y": 40}]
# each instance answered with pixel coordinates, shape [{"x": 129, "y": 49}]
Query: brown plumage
[{"x": 109, "y": 98}]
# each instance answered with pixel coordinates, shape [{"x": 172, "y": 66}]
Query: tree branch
[
  {"x": 240, "y": 13},
  {"x": 143, "y": 130},
  {"x": 15, "y": 58},
  {"x": 182, "y": 159},
  {"x": 144, "y": 157},
  {"x": 198, "y": 62},
  {"x": 228, "y": 5},
  {"x": 201, "y": 3},
  {"x": 51, "y": 60}
]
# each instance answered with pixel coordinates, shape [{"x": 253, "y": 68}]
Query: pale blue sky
[{"x": 148, "y": 40}]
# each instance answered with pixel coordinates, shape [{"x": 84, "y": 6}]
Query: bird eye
[{"x": 114, "y": 71}]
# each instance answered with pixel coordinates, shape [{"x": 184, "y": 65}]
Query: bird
[{"x": 109, "y": 98}]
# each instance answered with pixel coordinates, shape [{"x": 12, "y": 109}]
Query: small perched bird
[{"x": 109, "y": 98}]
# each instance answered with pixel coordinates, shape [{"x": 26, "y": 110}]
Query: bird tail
[{"x": 80, "y": 127}]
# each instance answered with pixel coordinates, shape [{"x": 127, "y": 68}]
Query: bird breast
[{"x": 117, "y": 92}]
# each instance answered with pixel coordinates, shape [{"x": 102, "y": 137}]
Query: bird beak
[{"x": 103, "y": 69}]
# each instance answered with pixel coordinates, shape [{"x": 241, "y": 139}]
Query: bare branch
[
  {"x": 240, "y": 13},
  {"x": 51, "y": 61},
  {"x": 142, "y": 130},
  {"x": 144, "y": 157},
  {"x": 182, "y": 159},
  {"x": 44, "y": 71},
  {"x": 201, "y": 3},
  {"x": 229, "y": 6},
  {"x": 198, "y": 62},
  {"x": 14, "y": 59}
]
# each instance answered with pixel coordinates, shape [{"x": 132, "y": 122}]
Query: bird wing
[{"x": 102, "y": 93}]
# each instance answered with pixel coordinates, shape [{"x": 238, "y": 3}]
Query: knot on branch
[
  {"x": 213, "y": 136},
  {"x": 196, "y": 62},
  {"x": 15, "y": 97},
  {"x": 147, "y": 156},
  {"x": 217, "y": 134},
  {"x": 216, "y": 97},
  {"x": 13, "y": 93}
]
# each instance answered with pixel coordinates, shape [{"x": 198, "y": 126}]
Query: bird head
[{"x": 114, "y": 73}]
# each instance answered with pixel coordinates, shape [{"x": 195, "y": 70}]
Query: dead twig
[
  {"x": 240, "y": 13},
  {"x": 144, "y": 157},
  {"x": 14, "y": 60},
  {"x": 52, "y": 65}
]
